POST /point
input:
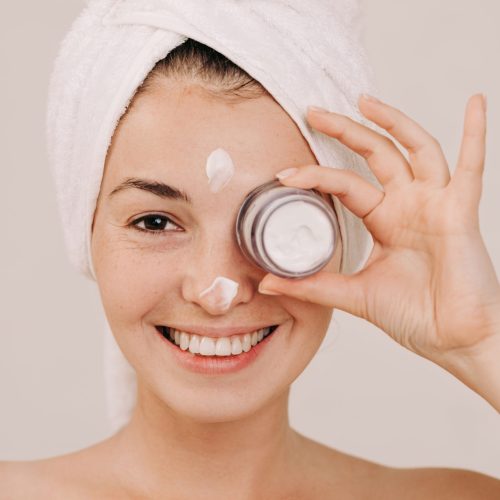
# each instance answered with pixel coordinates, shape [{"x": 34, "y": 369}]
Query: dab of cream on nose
[
  {"x": 220, "y": 293},
  {"x": 219, "y": 168}
]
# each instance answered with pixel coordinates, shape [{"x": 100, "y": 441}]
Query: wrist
[{"x": 478, "y": 367}]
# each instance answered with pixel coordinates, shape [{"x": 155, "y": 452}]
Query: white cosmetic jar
[{"x": 290, "y": 232}]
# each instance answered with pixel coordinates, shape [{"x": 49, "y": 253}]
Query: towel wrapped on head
[{"x": 302, "y": 53}]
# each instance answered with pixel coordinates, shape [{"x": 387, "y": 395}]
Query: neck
[{"x": 188, "y": 458}]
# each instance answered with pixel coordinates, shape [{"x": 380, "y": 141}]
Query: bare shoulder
[
  {"x": 357, "y": 478},
  {"x": 21, "y": 480},
  {"x": 74, "y": 475},
  {"x": 330, "y": 473},
  {"x": 443, "y": 483}
]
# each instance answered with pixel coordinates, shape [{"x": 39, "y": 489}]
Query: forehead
[{"x": 168, "y": 134}]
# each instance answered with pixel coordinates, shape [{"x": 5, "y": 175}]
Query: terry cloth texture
[{"x": 302, "y": 52}]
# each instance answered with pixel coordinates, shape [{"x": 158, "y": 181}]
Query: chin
[
  {"x": 218, "y": 404},
  {"x": 217, "y": 409}
]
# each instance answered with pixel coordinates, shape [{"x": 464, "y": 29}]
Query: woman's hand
[{"x": 429, "y": 281}]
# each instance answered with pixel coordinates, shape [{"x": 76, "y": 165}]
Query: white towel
[{"x": 302, "y": 52}]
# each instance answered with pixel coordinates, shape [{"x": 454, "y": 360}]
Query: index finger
[
  {"x": 354, "y": 191},
  {"x": 385, "y": 160}
]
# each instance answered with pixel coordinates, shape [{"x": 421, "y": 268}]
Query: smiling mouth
[{"x": 215, "y": 346}]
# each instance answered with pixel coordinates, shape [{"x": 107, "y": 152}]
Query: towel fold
[{"x": 302, "y": 52}]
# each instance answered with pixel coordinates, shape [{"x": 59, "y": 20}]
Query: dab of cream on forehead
[
  {"x": 220, "y": 293},
  {"x": 219, "y": 168}
]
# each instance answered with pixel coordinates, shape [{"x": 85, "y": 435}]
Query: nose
[{"x": 219, "y": 277}]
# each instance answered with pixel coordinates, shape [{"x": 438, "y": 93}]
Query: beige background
[{"x": 362, "y": 393}]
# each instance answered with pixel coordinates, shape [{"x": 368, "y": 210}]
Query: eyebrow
[{"x": 156, "y": 187}]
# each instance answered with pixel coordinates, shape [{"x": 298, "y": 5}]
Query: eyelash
[{"x": 151, "y": 232}]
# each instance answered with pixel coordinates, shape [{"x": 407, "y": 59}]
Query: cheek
[
  {"x": 316, "y": 319},
  {"x": 310, "y": 321},
  {"x": 132, "y": 282},
  {"x": 314, "y": 326}
]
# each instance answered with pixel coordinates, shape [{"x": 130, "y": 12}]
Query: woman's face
[{"x": 147, "y": 279}]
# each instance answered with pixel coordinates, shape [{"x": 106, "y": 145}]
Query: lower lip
[{"x": 217, "y": 365}]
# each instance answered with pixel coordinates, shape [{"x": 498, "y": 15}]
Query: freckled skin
[
  {"x": 192, "y": 436},
  {"x": 182, "y": 419}
]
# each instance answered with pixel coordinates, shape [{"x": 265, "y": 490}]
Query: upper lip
[{"x": 206, "y": 331}]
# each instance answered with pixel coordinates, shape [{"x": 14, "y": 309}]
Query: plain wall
[{"x": 362, "y": 393}]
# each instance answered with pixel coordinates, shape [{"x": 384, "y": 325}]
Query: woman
[{"x": 160, "y": 237}]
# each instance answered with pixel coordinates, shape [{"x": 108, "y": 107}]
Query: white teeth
[
  {"x": 246, "y": 345},
  {"x": 236, "y": 345},
  {"x": 222, "y": 346},
  {"x": 194, "y": 345},
  {"x": 255, "y": 336},
  {"x": 184, "y": 341},
  {"x": 207, "y": 346}
]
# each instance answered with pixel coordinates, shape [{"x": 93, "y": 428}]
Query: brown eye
[{"x": 155, "y": 224}]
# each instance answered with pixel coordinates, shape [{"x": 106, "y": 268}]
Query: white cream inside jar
[
  {"x": 298, "y": 236},
  {"x": 287, "y": 231}
]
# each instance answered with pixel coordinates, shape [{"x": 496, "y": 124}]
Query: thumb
[{"x": 340, "y": 291}]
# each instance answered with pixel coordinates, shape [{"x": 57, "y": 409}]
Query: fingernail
[
  {"x": 268, "y": 292},
  {"x": 265, "y": 291},
  {"x": 485, "y": 102},
  {"x": 287, "y": 172},
  {"x": 369, "y": 97},
  {"x": 316, "y": 109}
]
